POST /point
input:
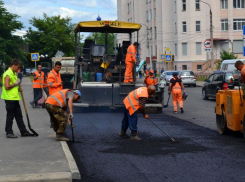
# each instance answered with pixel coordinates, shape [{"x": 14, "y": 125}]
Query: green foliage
[
  {"x": 9, "y": 43},
  {"x": 99, "y": 38},
  {"x": 52, "y": 34},
  {"x": 225, "y": 55}
]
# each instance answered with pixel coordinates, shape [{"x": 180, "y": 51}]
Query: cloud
[
  {"x": 84, "y": 3},
  {"x": 20, "y": 33}
]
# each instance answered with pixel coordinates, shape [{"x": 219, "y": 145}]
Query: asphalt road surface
[{"x": 199, "y": 154}]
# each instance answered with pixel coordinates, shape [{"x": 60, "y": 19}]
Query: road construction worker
[
  {"x": 135, "y": 101},
  {"x": 10, "y": 93},
  {"x": 150, "y": 80},
  {"x": 38, "y": 80},
  {"x": 176, "y": 86},
  {"x": 241, "y": 67},
  {"x": 54, "y": 79},
  {"x": 56, "y": 105},
  {"x": 130, "y": 61}
]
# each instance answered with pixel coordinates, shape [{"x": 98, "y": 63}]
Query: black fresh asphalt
[{"x": 199, "y": 154}]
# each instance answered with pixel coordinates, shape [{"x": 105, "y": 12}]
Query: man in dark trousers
[{"x": 10, "y": 93}]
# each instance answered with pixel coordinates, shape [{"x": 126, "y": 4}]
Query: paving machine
[
  {"x": 230, "y": 109},
  {"x": 100, "y": 74}
]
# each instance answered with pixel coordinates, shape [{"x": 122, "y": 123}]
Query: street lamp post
[
  {"x": 148, "y": 42},
  {"x": 211, "y": 33}
]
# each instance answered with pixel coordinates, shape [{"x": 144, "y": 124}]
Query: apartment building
[{"x": 183, "y": 26}]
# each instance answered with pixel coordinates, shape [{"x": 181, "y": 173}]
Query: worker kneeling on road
[
  {"x": 176, "y": 85},
  {"x": 149, "y": 79},
  {"x": 130, "y": 60},
  {"x": 241, "y": 67},
  {"x": 56, "y": 105},
  {"x": 134, "y": 101}
]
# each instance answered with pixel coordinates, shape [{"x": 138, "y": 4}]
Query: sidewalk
[
  {"x": 200, "y": 83},
  {"x": 34, "y": 158}
]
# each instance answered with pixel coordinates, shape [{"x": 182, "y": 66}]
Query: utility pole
[{"x": 211, "y": 38}]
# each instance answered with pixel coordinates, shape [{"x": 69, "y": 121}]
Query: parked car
[
  {"x": 229, "y": 65},
  {"x": 218, "y": 80},
  {"x": 167, "y": 75},
  {"x": 188, "y": 77}
]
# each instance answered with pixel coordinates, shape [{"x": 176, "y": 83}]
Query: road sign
[
  {"x": 243, "y": 40},
  {"x": 168, "y": 49},
  {"x": 207, "y": 44},
  {"x": 162, "y": 57},
  {"x": 34, "y": 56},
  {"x": 168, "y": 57},
  {"x": 207, "y": 49}
]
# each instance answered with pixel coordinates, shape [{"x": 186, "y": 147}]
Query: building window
[
  {"x": 150, "y": 33},
  {"x": 130, "y": 20},
  {"x": 198, "y": 48},
  {"x": 199, "y": 67},
  {"x": 129, "y": 7},
  {"x": 146, "y": 1},
  {"x": 224, "y": 25},
  {"x": 184, "y": 27},
  {"x": 175, "y": 6},
  {"x": 239, "y": 3},
  {"x": 149, "y": 1},
  {"x": 224, "y": 4},
  {"x": 147, "y": 16},
  {"x": 184, "y": 67},
  {"x": 155, "y": 50},
  {"x": 175, "y": 28},
  {"x": 183, "y": 5},
  {"x": 198, "y": 26},
  {"x": 238, "y": 24},
  {"x": 197, "y": 5},
  {"x": 155, "y": 13},
  {"x": 184, "y": 49},
  {"x": 155, "y": 31},
  {"x": 238, "y": 46},
  {"x": 175, "y": 49},
  {"x": 150, "y": 15}
]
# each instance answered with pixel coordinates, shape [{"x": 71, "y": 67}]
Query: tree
[
  {"x": 9, "y": 43},
  {"x": 52, "y": 34},
  {"x": 99, "y": 38},
  {"x": 225, "y": 55}
]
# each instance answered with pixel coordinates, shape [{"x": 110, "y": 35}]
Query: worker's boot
[
  {"x": 61, "y": 138},
  {"x": 123, "y": 134},
  {"x": 32, "y": 104},
  {"x": 134, "y": 136},
  {"x": 182, "y": 110}
]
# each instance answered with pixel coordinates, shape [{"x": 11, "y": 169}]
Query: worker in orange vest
[
  {"x": 56, "y": 105},
  {"x": 241, "y": 67},
  {"x": 37, "y": 85},
  {"x": 135, "y": 101},
  {"x": 176, "y": 86},
  {"x": 54, "y": 79},
  {"x": 149, "y": 79},
  {"x": 130, "y": 61}
]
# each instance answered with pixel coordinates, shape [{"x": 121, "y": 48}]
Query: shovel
[
  {"x": 28, "y": 121},
  {"x": 168, "y": 101}
]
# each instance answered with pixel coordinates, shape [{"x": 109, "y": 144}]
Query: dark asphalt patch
[{"x": 152, "y": 146}]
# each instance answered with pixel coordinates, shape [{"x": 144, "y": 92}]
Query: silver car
[
  {"x": 167, "y": 75},
  {"x": 187, "y": 77}
]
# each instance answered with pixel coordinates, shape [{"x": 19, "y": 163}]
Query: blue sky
[{"x": 78, "y": 10}]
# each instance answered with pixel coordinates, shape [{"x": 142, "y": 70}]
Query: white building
[{"x": 183, "y": 26}]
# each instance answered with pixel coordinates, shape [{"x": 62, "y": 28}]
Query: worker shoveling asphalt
[{"x": 56, "y": 105}]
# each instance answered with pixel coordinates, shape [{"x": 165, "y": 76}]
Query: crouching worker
[
  {"x": 134, "y": 101},
  {"x": 56, "y": 105}
]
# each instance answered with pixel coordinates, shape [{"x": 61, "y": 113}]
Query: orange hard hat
[{"x": 151, "y": 71}]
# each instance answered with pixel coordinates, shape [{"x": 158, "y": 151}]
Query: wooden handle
[{"x": 23, "y": 99}]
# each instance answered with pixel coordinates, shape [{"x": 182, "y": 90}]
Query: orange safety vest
[
  {"x": 131, "y": 102},
  {"x": 38, "y": 83},
  {"x": 243, "y": 74},
  {"x": 131, "y": 54},
  {"x": 54, "y": 80},
  {"x": 58, "y": 98},
  {"x": 150, "y": 80},
  {"x": 176, "y": 86},
  {"x": 45, "y": 83}
]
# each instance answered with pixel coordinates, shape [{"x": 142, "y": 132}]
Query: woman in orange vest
[
  {"x": 37, "y": 85},
  {"x": 150, "y": 80},
  {"x": 56, "y": 105},
  {"x": 134, "y": 101},
  {"x": 54, "y": 79},
  {"x": 130, "y": 60},
  {"x": 176, "y": 85}
]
